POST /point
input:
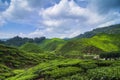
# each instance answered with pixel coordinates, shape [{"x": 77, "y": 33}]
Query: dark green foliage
[
  {"x": 110, "y": 55},
  {"x": 5, "y": 72},
  {"x": 39, "y": 40},
  {"x": 18, "y": 41},
  {"x": 1, "y": 42},
  {"x": 15, "y": 58},
  {"x": 103, "y": 63}
]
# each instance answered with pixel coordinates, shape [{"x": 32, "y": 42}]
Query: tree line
[
  {"x": 110, "y": 55},
  {"x": 18, "y": 41}
]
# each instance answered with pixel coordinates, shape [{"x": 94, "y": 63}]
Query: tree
[
  {"x": 39, "y": 40},
  {"x": 110, "y": 55}
]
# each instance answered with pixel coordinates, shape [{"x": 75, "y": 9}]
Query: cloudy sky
[{"x": 55, "y": 18}]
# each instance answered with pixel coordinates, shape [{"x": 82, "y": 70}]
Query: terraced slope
[
  {"x": 52, "y": 44},
  {"x": 95, "y": 45}
]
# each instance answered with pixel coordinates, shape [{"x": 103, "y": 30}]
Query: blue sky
[{"x": 55, "y": 18}]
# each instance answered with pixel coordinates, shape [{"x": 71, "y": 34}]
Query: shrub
[
  {"x": 108, "y": 73},
  {"x": 110, "y": 55},
  {"x": 60, "y": 72}
]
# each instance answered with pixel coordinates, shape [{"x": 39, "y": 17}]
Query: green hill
[
  {"x": 94, "y": 45},
  {"x": 31, "y": 47},
  {"x": 71, "y": 69},
  {"x": 14, "y": 58},
  {"x": 52, "y": 44}
]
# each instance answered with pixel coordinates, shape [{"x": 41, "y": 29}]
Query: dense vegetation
[
  {"x": 94, "y": 45},
  {"x": 18, "y": 41},
  {"x": 93, "y": 58},
  {"x": 110, "y": 55}
]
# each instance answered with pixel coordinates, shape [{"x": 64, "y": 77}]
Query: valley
[{"x": 94, "y": 55}]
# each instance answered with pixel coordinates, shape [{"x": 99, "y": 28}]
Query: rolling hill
[
  {"x": 52, "y": 44},
  {"x": 94, "y": 45},
  {"x": 99, "y": 40},
  {"x": 59, "y": 59},
  {"x": 31, "y": 47},
  {"x": 14, "y": 58}
]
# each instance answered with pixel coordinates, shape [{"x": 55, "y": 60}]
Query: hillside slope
[
  {"x": 113, "y": 29},
  {"x": 52, "y": 44},
  {"x": 95, "y": 45},
  {"x": 31, "y": 47},
  {"x": 14, "y": 58}
]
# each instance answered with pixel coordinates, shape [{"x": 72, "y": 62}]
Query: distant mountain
[
  {"x": 113, "y": 29},
  {"x": 106, "y": 39},
  {"x": 18, "y": 41}
]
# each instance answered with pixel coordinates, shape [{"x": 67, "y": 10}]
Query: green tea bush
[
  {"x": 5, "y": 72},
  {"x": 87, "y": 65},
  {"x": 103, "y": 63},
  {"x": 107, "y": 73},
  {"x": 60, "y": 72},
  {"x": 110, "y": 55}
]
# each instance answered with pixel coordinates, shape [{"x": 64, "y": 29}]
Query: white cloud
[
  {"x": 7, "y": 35},
  {"x": 18, "y": 10},
  {"x": 25, "y": 11},
  {"x": 65, "y": 9},
  {"x": 112, "y": 22},
  {"x": 69, "y": 18},
  {"x": 61, "y": 18},
  {"x": 2, "y": 22},
  {"x": 36, "y": 33}
]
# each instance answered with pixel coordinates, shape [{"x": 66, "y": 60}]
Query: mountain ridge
[{"x": 113, "y": 29}]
